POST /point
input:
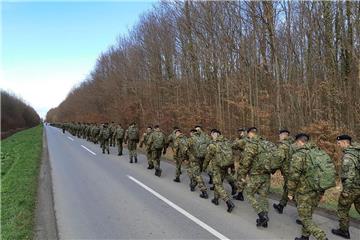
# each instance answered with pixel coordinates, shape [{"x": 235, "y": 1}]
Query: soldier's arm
[
  {"x": 238, "y": 144},
  {"x": 296, "y": 169},
  {"x": 348, "y": 171},
  {"x": 249, "y": 154},
  {"x": 210, "y": 153},
  {"x": 142, "y": 140}
]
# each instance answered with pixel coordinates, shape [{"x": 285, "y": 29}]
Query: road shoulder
[{"x": 45, "y": 218}]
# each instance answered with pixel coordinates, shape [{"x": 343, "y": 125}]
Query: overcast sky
[{"x": 49, "y": 47}]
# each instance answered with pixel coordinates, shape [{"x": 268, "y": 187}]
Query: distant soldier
[
  {"x": 104, "y": 138},
  {"x": 180, "y": 152},
  {"x": 132, "y": 139},
  {"x": 238, "y": 149},
  {"x": 197, "y": 145},
  {"x": 170, "y": 140},
  {"x": 63, "y": 127},
  {"x": 350, "y": 179},
  {"x": 156, "y": 143},
  {"x": 302, "y": 179},
  {"x": 112, "y": 129},
  {"x": 254, "y": 165},
  {"x": 219, "y": 156},
  {"x": 282, "y": 157},
  {"x": 144, "y": 141},
  {"x": 119, "y": 134},
  {"x": 95, "y": 133}
]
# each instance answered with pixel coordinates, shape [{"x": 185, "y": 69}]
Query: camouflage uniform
[
  {"x": 119, "y": 136},
  {"x": 195, "y": 169},
  {"x": 156, "y": 144},
  {"x": 219, "y": 173},
  {"x": 104, "y": 138},
  {"x": 282, "y": 156},
  {"x": 259, "y": 177},
  {"x": 350, "y": 178},
  {"x": 170, "y": 142},
  {"x": 306, "y": 198},
  {"x": 238, "y": 149},
  {"x": 112, "y": 128},
  {"x": 180, "y": 152},
  {"x": 132, "y": 143},
  {"x": 144, "y": 140}
]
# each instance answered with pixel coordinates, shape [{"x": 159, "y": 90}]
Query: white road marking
[
  {"x": 88, "y": 150},
  {"x": 180, "y": 210},
  {"x": 70, "y": 138}
]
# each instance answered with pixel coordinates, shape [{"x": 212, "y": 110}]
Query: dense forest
[
  {"x": 292, "y": 64},
  {"x": 16, "y": 114}
]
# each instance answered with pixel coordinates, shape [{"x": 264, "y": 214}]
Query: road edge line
[{"x": 88, "y": 150}]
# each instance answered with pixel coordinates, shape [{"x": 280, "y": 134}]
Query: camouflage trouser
[
  {"x": 258, "y": 184},
  {"x": 284, "y": 196},
  {"x": 306, "y": 204},
  {"x": 346, "y": 199},
  {"x": 120, "y": 145},
  {"x": 149, "y": 157},
  {"x": 219, "y": 174},
  {"x": 195, "y": 174},
  {"x": 105, "y": 145},
  {"x": 132, "y": 148},
  {"x": 178, "y": 160},
  {"x": 155, "y": 157}
]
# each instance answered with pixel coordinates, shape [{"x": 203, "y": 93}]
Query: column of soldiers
[{"x": 246, "y": 163}]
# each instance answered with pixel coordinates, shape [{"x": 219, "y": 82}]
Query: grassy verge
[{"x": 20, "y": 161}]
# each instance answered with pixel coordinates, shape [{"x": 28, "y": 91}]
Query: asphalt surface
[{"x": 101, "y": 196}]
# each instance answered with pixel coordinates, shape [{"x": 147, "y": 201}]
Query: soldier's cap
[
  {"x": 198, "y": 126},
  {"x": 343, "y": 137},
  {"x": 252, "y": 129},
  {"x": 214, "y": 130},
  {"x": 241, "y": 129},
  {"x": 156, "y": 126},
  {"x": 304, "y": 136},
  {"x": 193, "y": 130},
  {"x": 149, "y": 126},
  {"x": 284, "y": 131},
  {"x": 177, "y": 130}
]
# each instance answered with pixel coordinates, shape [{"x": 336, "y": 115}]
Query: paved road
[{"x": 105, "y": 197}]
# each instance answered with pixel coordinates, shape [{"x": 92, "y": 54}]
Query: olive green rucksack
[
  {"x": 321, "y": 172},
  {"x": 158, "y": 140},
  {"x": 224, "y": 154},
  {"x": 266, "y": 154},
  {"x": 106, "y": 133},
  {"x": 133, "y": 133},
  {"x": 354, "y": 150},
  {"x": 201, "y": 144}
]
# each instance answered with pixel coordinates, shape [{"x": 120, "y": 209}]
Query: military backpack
[
  {"x": 158, "y": 140},
  {"x": 266, "y": 155},
  {"x": 133, "y": 133},
  {"x": 224, "y": 154},
  {"x": 201, "y": 144},
  {"x": 354, "y": 151},
  {"x": 321, "y": 173},
  {"x": 106, "y": 133}
]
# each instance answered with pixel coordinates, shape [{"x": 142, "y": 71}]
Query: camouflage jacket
[
  {"x": 170, "y": 140},
  {"x": 251, "y": 164},
  {"x": 211, "y": 152},
  {"x": 145, "y": 138},
  {"x": 192, "y": 143},
  {"x": 283, "y": 155},
  {"x": 350, "y": 167},
  {"x": 119, "y": 133},
  {"x": 180, "y": 146},
  {"x": 297, "y": 183}
]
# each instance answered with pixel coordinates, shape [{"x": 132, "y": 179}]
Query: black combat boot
[
  {"x": 215, "y": 201},
  {"x": 193, "y": 184},
  {"x": 108, "y": 151},
  {"x": 239, "y": 196},
  {"x": 279, "y": 208},
  {"x": 158, "y": 172},
  {"x": 119, "y": 154},
  {"x": 341, "y": 233},
  {"x": 233, "y": 188},
  {"x": 204, "y": 195},
  {"x": 230, "y": 206},
  {"x": 103, "y": 151},
  {"x": 298, "y": 221},
  {"x": 177, "y": 179},
  {"x": 302, "y": 238},
  {"x": 135, "y": 159},
  {"x": 212, "y": 188},
  {"x": 263, "y": 219},
  {"x": 131, "y": 159},
  {"x": 150, "y": 167}
]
